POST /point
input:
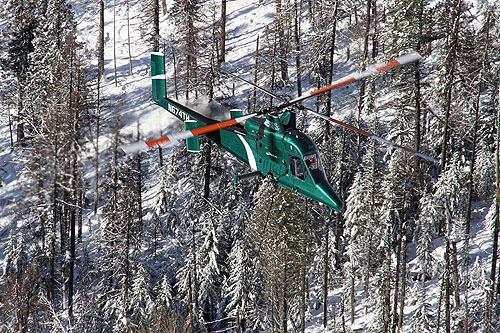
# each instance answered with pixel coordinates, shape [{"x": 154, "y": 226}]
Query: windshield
[{"x": 314, "y": 164}]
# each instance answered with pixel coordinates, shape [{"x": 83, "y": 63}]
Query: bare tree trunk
[
  {"x": 386, "y": 287},
  {"x": 342, "y": 309},
  {"x": 285, "y": 295},
  {"x": 195, "y": 270},
  {"x": 10, "y": 128},
  {"x": 190, "y": 305},
  {"x": 325, "y": 273},
  {"x": 128, "y": 39},
  {"x": 438, "y": 320},
  {"x": 20, "y": 123},
  {"x": 139, "y": 182},
  {"x": 367, "y": 273},
  {"x": 447, "y": 288},
  {"x": 281, "y": 41},
  {"x": 222, "y": 55},
  {"x": 79, "y": 205},
  {"x": 156, "y": 25},
  {"x": 71, "y": 277},
  {"x": 403, "y": 288},
  {"x": 310, "y": 11},
  {"x": 497, "y": 197},
  {"x": 496, "y": 228},
  {"x": 74, "y": 193},
  {"x": 418, "y": 106},
  {"x": 126, "y": 282},
  {"x": 470, "y": 176},
  {"x": 351, "y": 292},
  {"x": 456, "y": 280},
  {"x": 362, "y": 83},
  {"x": 55, "y": 215},
  {"x": 114, "y": 41},
  {"x": 477, "y": 105},
  {"x": 444, "y": 144},
  {"x": 397, "y": 277},
  {"x": 330, "y": 71},
  {"x": 96, "y": 147},
  {"x": 303, "y": 305},
  {"x": 164, "y": 6},
  {"x": 191, "y": 50},
  {"x": 100, "y": 51},
  {"x": 52, "y": 263},
  {"x": 297, "y": 49},
  {"x": 188, "y": 76},
  {"x": 273, "y": 76},
  {"x": 450, "y": 77},
  {"x": 208, "y": 166},
  {"x": 366, "y": 39},
  {"x": 255, "y": 73},
  {"x": 174, "y": 63}
]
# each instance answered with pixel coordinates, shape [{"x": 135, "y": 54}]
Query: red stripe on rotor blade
[
  {"x": 198, "y": 131},
  {"x": 392, "y": 63},
  {"x": 353, "y": 77},
  {"x": 213, "y": 127},
  {"x": 333, "y": 85},
  {"x": 382, "y": 140},
  {"x": 158, "y": 141},
  {"x": 352, "y": 128}
]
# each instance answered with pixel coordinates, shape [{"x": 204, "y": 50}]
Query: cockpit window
[
  {"x": 312, "y": 161},
  {"x": 314, "y": 164}
]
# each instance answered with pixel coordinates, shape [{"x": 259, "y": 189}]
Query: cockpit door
[{"x": 296, "y": 167}]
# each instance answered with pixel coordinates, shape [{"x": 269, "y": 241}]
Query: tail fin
[
  {"x": 160, "y": 97},
  {"x": 158, "y": 76}
]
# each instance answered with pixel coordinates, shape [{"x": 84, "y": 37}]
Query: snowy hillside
[{"x": 94, "y": 240}]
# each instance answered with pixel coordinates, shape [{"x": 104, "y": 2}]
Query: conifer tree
[
  {"x": 241, "y": 288},
  {"x": 141, "y": 301},
  {"x": 279, "y": 230},
  {"x": 210, "y": 269},
  {"x": 424, "y": 233},
  {"x": 422, "y": 320},
  {"x": 23, "y": 17},
  {"x": 395, "y": 217},
  {"x": 361, "y": 218},
  {"x": 121, "y": 238},
  {"x": 186, "y": 14}
]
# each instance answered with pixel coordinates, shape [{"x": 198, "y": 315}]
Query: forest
[{"x": 95, "y": 240}]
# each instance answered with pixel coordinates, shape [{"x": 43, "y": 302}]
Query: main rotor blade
[
  {"x": 253, "y": 85},
  {"x": 371, "y": 70},
  {"x": 373, "y": 136},
  {"x": 177, "y": 138}
]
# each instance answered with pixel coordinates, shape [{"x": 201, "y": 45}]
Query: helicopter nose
[{"x": 328, "y": 196}]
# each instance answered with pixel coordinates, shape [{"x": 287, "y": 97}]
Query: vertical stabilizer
[
  {"x": 158, "y": 76},
  {"x": 158, "y": 85}
]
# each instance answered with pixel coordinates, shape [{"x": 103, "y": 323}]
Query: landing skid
[{"x": 237, "y": 178}]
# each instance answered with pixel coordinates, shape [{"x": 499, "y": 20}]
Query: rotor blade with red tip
[
  {"x": 371, "y": 70},
  {"x": 177, "y": 138},
  {"x": 373, "y": 136}
]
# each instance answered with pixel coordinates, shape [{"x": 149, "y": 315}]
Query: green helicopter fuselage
[{"x": 271, "y": 145}]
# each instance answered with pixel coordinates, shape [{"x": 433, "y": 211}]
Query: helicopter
[{"x": 267, "y": 141}]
